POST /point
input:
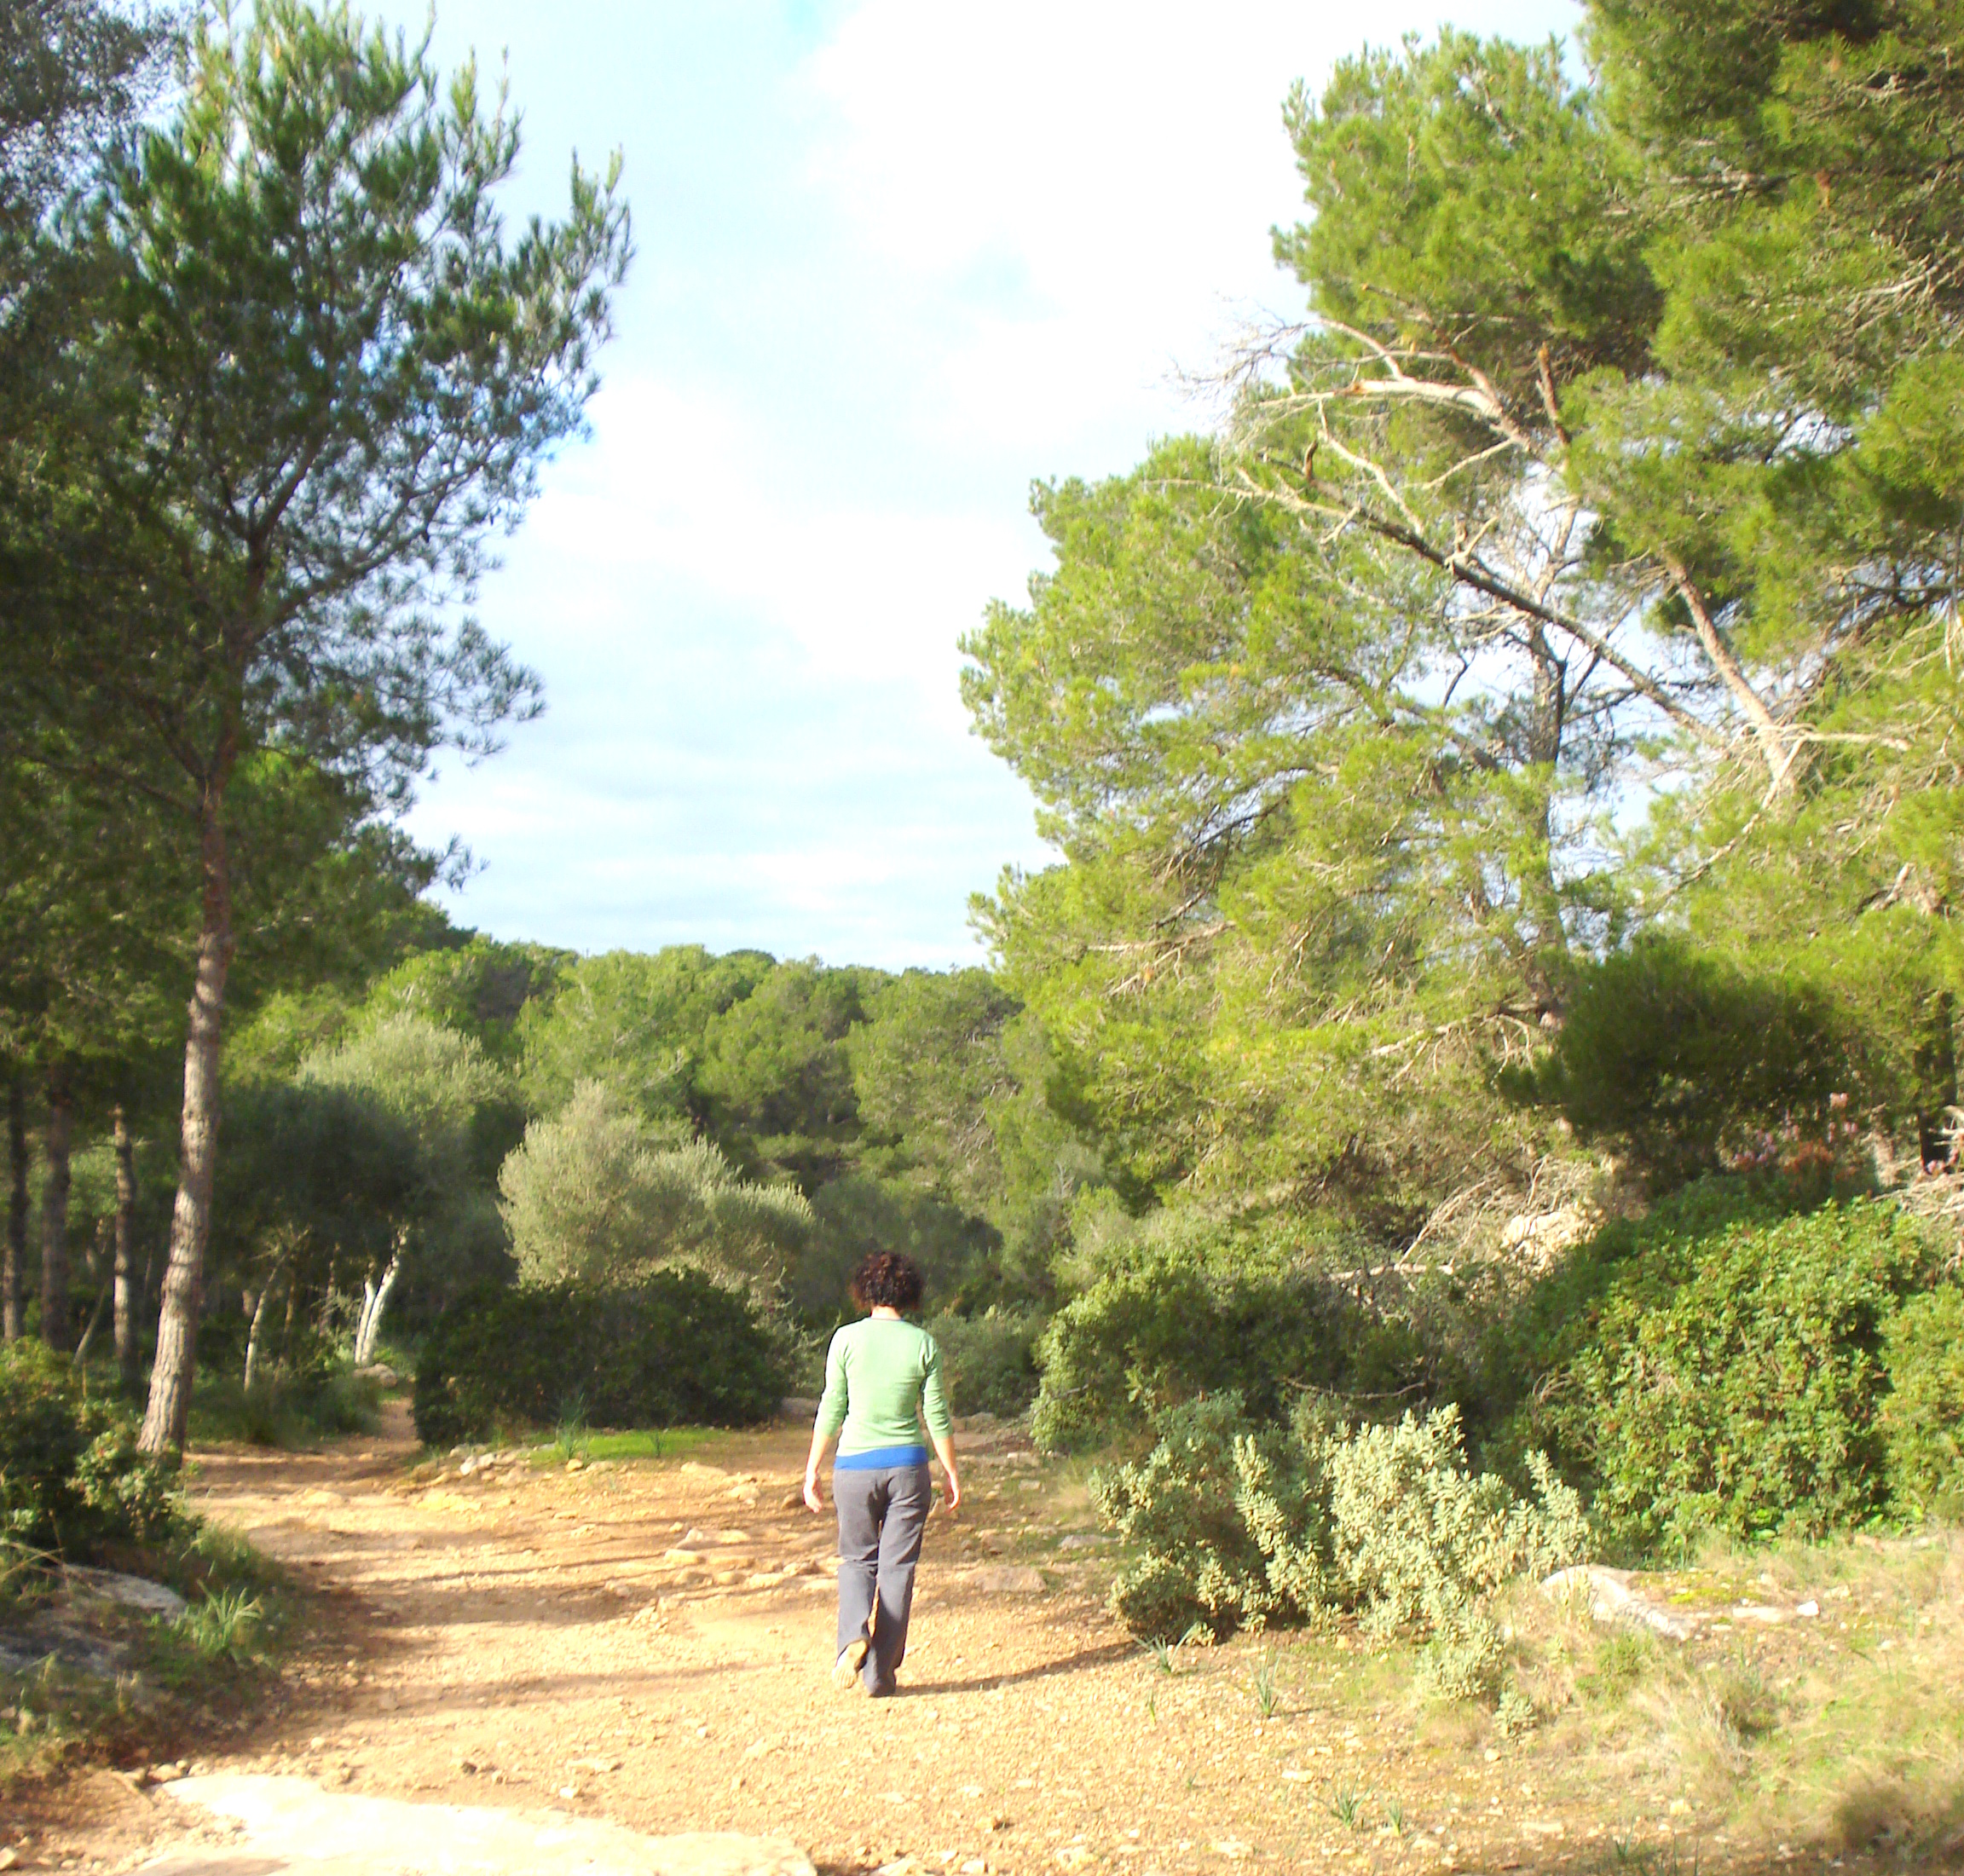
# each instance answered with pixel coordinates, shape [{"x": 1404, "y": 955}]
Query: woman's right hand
[
  {"x": 813, "y": 1499},
  {"x": 953, "y": 1487}
]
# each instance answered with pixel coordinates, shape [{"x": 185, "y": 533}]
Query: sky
[{"x": 896, "y": 260}]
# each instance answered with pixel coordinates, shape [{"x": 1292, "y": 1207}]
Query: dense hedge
[
  {"x": 1168, "y": 1329},
  {"x": 71, "y": 1480},
  {"x": 1519, "y": 1400},
  {"x": 1767, "y": 1375},
  {"x": 1922, "y": 1419},
  {"x": 1755, "y": 1355},
  {"x": 676, "y": 1349}
]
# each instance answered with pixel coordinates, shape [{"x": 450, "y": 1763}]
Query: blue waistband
[{"x": 879, "y": 1458}]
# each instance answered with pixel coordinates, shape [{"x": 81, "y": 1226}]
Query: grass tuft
[{"x": 222, "y": 1625}]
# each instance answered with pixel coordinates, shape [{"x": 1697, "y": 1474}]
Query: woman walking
[{"x": 882, "y": 1376}]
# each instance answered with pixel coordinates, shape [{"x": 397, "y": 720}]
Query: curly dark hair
[{"x": 886, "y": 1279}]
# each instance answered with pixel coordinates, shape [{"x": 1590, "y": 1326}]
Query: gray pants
[{"x": 882, "y": 1513}]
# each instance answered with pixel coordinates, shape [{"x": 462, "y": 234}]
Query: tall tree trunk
[
  {"x": 374, "y": 1301},
  {"x": 99, "y": 1268},
  {"x": 13, "y": 1267},
  {"x": 292, "y": 1316},
  {"x": 125, "y": 1251},
  {"x": 54, "y": 1213},
  {"x": 265, "y": 1296},
  {"x": 169, "y": 1411}
]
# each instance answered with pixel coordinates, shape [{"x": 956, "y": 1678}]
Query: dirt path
[{"x": 647, "y": 1643}]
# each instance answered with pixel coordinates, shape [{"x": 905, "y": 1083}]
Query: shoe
[{"x": 851, "y": 1658}]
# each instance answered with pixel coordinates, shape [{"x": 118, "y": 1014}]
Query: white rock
[
  {"x": 1613, "y": 1598},
  {"x": 291, "y": 1824},
  {"x": 134, "y": 1592}
]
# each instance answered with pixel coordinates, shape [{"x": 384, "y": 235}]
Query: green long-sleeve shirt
[{"x": 882, "y": 1375}]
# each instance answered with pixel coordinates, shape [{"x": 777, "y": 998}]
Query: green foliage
[
  {"x": 437, "y": 1082},
  {"x": 674, "y": 1349},
  {"x": 1421, "y": 1541},
  {"x": 595, "y": 1196},
  {"x": 927, "y": 1062},
  {"x": 298, "y": 1405},
  {"x": 955, "y": 1082},
  {"x": 1494, "y": 179},
  {"x": 1677, "y": 1057},
  {"x": 479, "y": 990},
  {"x": 959, "y": 1254},
  {"x": 1257, "y": 967},
  {"x": 989, "y": 1359},
  {"x": 315, "y": 380},
  {"x": 1193, "y": 1312},
  {"x": 315, "y": 1163},
  {"x": 1737, "y": 1386},
  {"x": 1196, "y": 1563},
  {"x": 269, "y": 1044},
  {"x": 1519, "y": 1383},
  {"x": 222, "y": 1625},
  {"x": 1922, "y": 1418},
  {"x": 1232, "y": 1523},
  {"x": 777, "y": 1079},
  {"x": 71, "y": 1477},
  {"x": 1614, "y": 466},
  {"x": 634, "y": 1022},
  {"x": 912, "y": 1111}
]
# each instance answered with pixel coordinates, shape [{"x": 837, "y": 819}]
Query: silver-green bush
[{"x": 1230, "y": 1525}]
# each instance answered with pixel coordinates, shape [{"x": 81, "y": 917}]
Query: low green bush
[
  {"x": 1521, "y": 1388},
  {"x": 674, "y": 1349},
  {"x": 1196, "y": 1563},
  {"x": 1921, "y": 1418},
  {"x": 71, "y": 1480},
  {"x": 285, "y": 1408},
  {"x": 989, "y": 1360},
  {"x": 1173, "y": 1326},
  {"x": 1233, "y": 1523},
  {"x": 1735, "y": 1384}
]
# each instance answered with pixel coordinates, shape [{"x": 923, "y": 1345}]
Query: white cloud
[{"x": 952, "y": 249}]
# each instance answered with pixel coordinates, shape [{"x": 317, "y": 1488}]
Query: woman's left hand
[{"x": 813, "y": 1499}]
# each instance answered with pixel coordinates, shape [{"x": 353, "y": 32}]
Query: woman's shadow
[{"x": 1044, "y": 1670}]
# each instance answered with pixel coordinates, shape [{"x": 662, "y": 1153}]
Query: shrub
[
  {"x": 1676, "y": 1056},
  {"x": 71, "y": 1480},
  {"x": 1197, "y": 1564},
  {"x": 1523, "y": 1396},
  {"x": 1176, "y": 1325},
  {"x": 291, "y": 1406},
  {"x": 596, "y": 1194},
  {"x": 1233, "y": 1524},
  {"x": 1737, "y": 1387},
  {"x": 673, "y": 1350},
  {"x": 989, "y": 1360},
  {"x": 1923, "y": 1416},
  {"x": 1420, "y": 1540}
]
